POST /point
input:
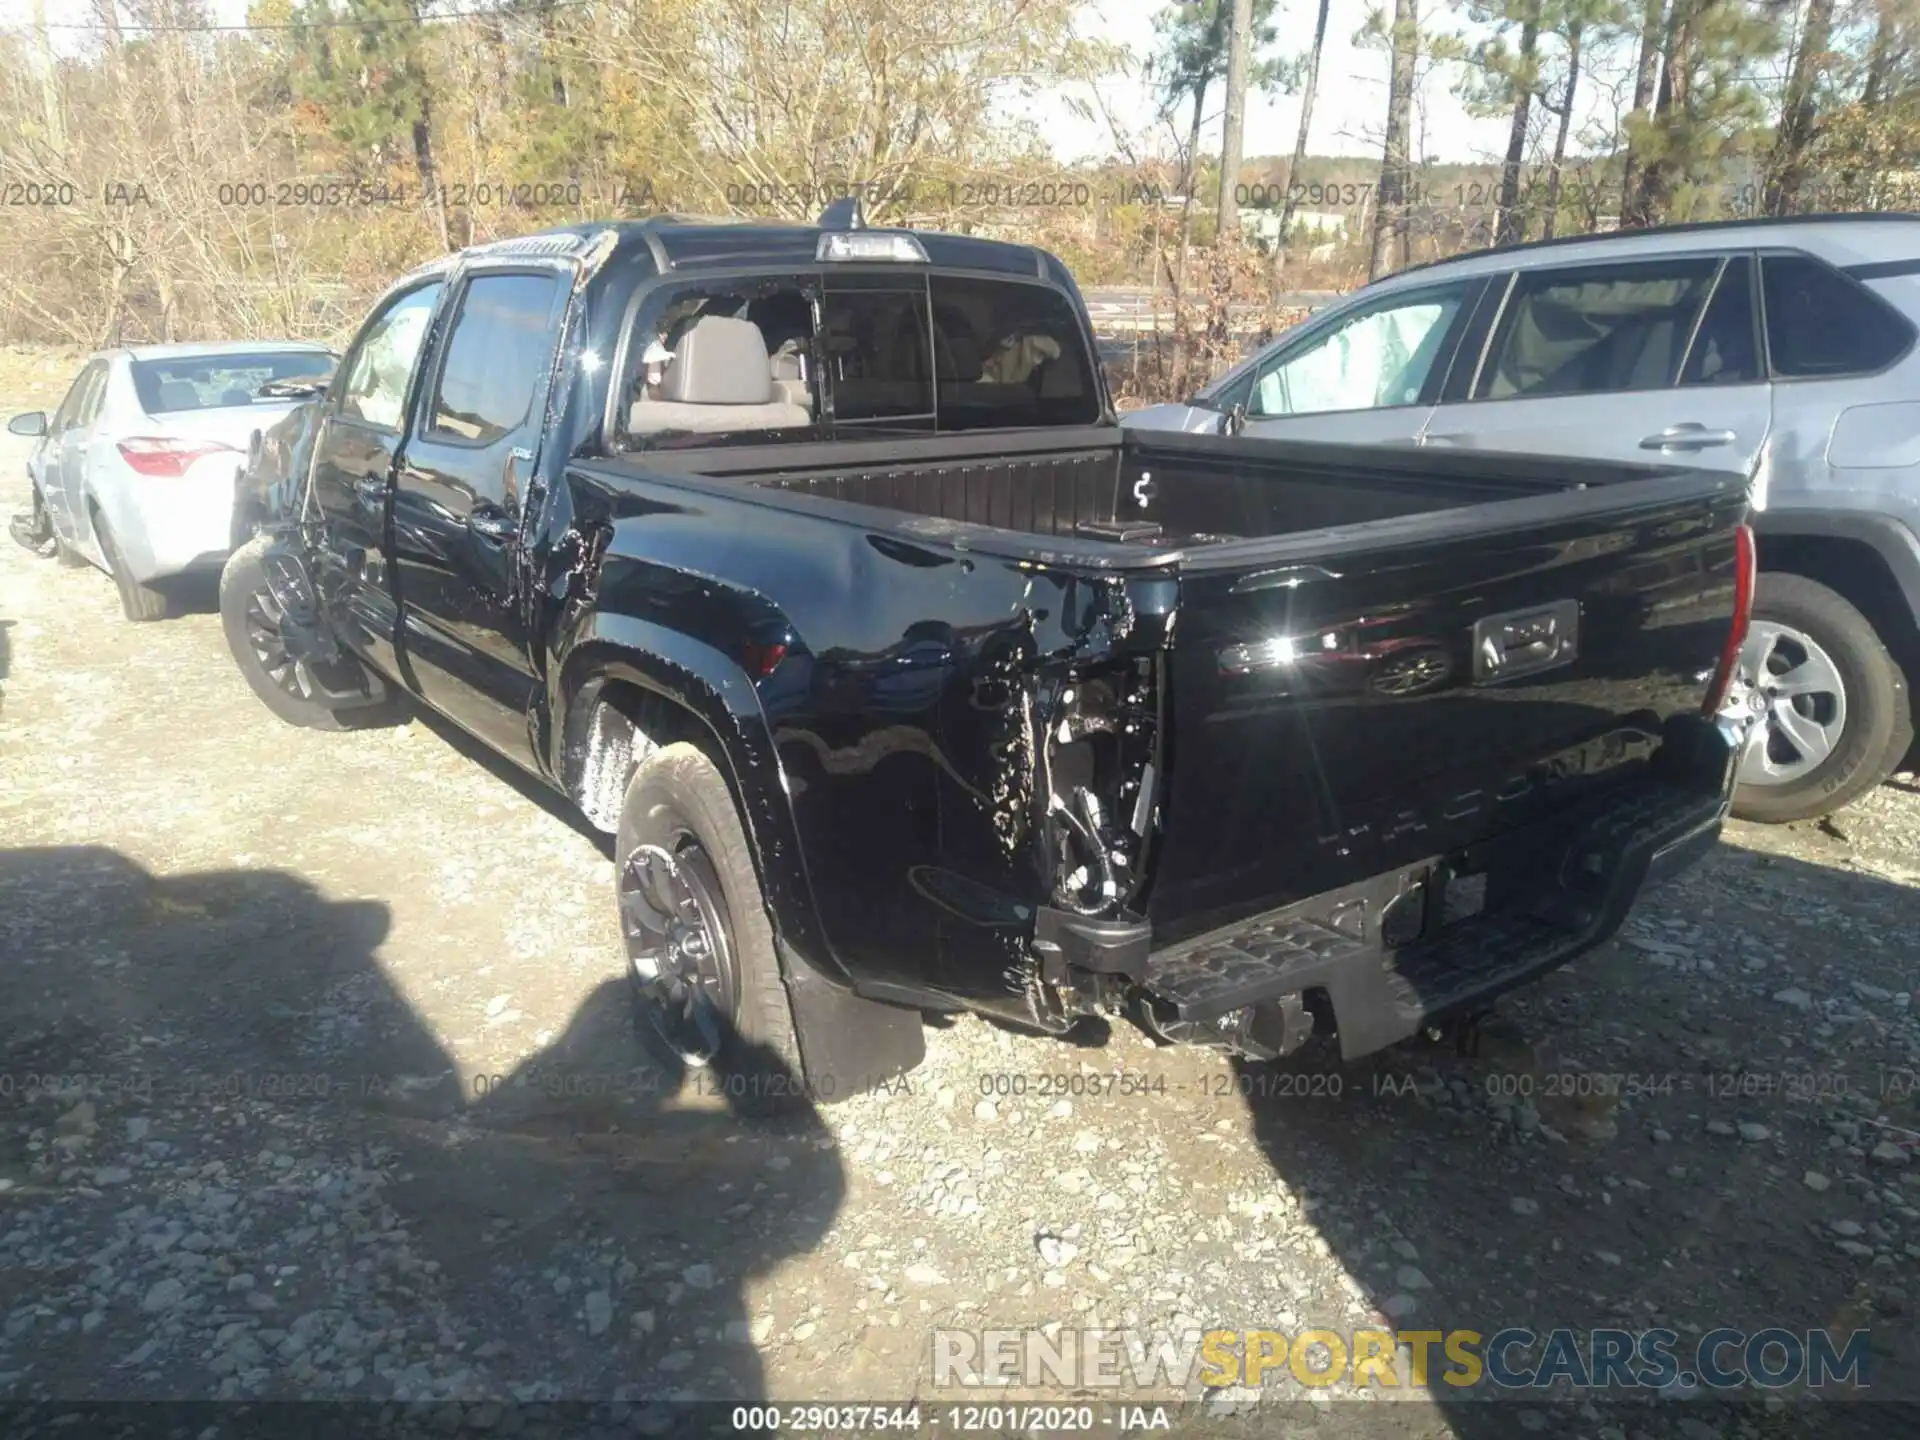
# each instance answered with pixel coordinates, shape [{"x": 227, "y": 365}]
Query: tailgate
[{"x": 1353, "y": 700}]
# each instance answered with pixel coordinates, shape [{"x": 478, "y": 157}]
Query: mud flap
[{"x": 849, "y": 1045}]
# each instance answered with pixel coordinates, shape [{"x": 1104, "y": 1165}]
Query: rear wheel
[
  {"x": 138, "y": 602},
  {"x": 707, "y": 988},
  {"x": 1824, "y": 704}
]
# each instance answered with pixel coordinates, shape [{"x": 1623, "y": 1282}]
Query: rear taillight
[
  {"x": 161, "y": 455},
  {"x": 1743, "y": 577}
]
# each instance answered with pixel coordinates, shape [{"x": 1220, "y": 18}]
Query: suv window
[
  {"x": 878, "y": 354},
  {"x": 1820, "y": 322},
  {"x": 375, "y": 389},
  {"x": 1595, "y": 328},
  {"x": 1726, "y": 351},
  {"x": 723, "y": 363},
  {"x": 1377, "y": 357},
  {"x": 497, "y": 354},
  {"x": 1007, "y": 355}
]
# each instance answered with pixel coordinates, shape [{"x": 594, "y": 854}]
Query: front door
[
  {"x": 353, "y": 468},
  {"x": 1368, "y": 376},
  {"x": 460, "y": 501},
  {"x": 63, "y": 458},
  {"x": 1644, "y": 360}
]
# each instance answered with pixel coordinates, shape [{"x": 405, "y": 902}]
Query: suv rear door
[{"x": 1655, "y": 359}]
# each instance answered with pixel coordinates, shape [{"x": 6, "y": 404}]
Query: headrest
[
  {"x": 720, "y": 361},
  {"x": 178, "y": 395},
  {"x": 956, "y": 350}
]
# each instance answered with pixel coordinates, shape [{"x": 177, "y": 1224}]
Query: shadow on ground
[
  {"x": 577, "y": 1228},
  {"x": 1436, "y": 1209}
]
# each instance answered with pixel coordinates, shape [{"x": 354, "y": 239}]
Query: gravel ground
[{"x": 315, "y": 1081}]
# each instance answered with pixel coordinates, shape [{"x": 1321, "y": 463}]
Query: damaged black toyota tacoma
[{"x": 809, "y": 563}]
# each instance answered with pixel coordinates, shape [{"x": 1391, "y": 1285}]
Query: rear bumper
[
  {"x": 1552, "y": 892},
  {"x": 175, "y": 525}
]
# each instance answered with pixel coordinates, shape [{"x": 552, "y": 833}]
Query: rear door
[
  {"x": 1368, "y": 698},
  {"x": 1641, "y": 360},
  {"x": 1367, "y": 376},
  {"x": 460, "y": 500},
  {"x": 353, "y": 468}
]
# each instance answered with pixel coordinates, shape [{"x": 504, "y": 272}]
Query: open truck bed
[{"x": 1148, "y": 489}]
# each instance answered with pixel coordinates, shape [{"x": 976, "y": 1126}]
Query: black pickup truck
[{"x": 810, "y": 563}]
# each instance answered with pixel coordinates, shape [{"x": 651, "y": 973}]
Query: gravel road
[{"x": 316, "y": 1081}]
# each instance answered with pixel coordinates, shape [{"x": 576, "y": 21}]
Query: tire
[
  {"x": 139, "y": 603},
  {"x": 1801, "y": 627},
  {"x": 678, "y": 805},
  {"x": 242, "y": 583},
  {"x": 33, "y": 530}
]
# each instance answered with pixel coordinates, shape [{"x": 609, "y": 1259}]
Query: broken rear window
[{"x": 212, "y": 382}]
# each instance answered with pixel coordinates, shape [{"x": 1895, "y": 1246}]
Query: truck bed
[{"x": 1159, "y": 491}]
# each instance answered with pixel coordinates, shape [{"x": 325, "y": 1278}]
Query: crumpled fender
[{"x": 711, "y": 686}]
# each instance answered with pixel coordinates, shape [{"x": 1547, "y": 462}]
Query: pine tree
[{"x": 363, "y": 67}]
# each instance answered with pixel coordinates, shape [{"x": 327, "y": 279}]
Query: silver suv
[{"x": 1785, "y": 348}]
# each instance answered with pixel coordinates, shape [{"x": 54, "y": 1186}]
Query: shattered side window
[
  {"x": 1596, "y": 329},
  {"x": 383, "y": 360}
]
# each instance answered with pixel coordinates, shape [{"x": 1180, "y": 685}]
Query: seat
[
  {"x": 787, "y": 377},
  {"x": 178, "y": 395},
  {"x": 720, "y": 379}
]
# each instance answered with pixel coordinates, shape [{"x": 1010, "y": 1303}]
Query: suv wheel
[{"x": 1825, "y": 705}]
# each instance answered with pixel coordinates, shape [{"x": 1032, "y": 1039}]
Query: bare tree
[
  {"x": 1653, "y": 29},
  {"x": 1390, "y": 212},
  {"x": 1239, "y": 57},
  {"x": 1787, "y": 165},
  {"x": 1309, "y": 87},
  {"x": 1511, "y": 225},
  {"x": 1576, "y": 30}
]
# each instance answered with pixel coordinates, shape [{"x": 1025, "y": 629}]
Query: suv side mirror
[{"x": 31, "y": 424}]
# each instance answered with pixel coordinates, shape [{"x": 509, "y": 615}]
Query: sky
[
  {"x": 1347, "y": 117},
  {"x": 1349, "y": 110}
]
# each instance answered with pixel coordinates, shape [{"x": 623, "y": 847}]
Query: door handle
[
  {"x": 1689, "y": 435},
  {"x": 492, "y": 523},
  {"x": 371, "y": 491}
]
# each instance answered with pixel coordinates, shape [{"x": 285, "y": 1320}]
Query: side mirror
[{"x": 31, "y": 424}]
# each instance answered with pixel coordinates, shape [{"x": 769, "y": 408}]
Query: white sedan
[{"x": 135, "y": 471}]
